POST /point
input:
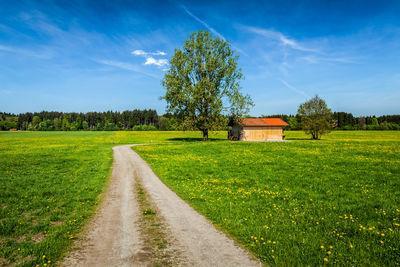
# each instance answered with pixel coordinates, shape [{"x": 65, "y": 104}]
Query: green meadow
[
  {"x": 336, "y": 200},
  {"x": 50, "y": 185},
  {"x": 333, "y": 201}
]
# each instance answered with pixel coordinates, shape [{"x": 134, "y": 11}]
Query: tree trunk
[
  {"x": 205, "y": 134},
  {"x": 315, "y": 135}
]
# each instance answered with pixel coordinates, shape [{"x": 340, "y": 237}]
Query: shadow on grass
[
  {"x": 188, "y": 139},
  {"x": 306, "y": 139}
]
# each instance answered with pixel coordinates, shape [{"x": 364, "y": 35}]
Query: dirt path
[{"x": 115, "y": 239}]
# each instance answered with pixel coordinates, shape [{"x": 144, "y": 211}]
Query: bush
[
  {"x": 144, "y": 127},
  {"x": 394, "y": 126},
  {"x": 110, "y": 127},
  {"x": 7, "y": 125}
]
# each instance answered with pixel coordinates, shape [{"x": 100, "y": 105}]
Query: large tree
[
  {"x": 202, "y": 83},
  {"x": 315, "y": 116}
]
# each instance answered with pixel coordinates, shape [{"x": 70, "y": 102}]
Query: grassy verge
[
  {"x": 49, "y": 187},
  {"x": 334, "y": 201}
]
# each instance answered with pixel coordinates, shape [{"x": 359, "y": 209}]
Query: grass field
[
  {"x": 50, "y": 183},
  {"x": 295, "y": 203},
  {"x": 334, "y": 200}
]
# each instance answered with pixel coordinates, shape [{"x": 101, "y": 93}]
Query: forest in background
[
  {"x": 148, "y": 119},
  {"x": 346, "y": 121}
]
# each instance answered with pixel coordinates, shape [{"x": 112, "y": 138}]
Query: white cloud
[
  {"x": 151, "y": 60},
  {"x": 138, "y": 53},
  {"x": 157, "y": 62},
  {"x": 145, "y": 54}
]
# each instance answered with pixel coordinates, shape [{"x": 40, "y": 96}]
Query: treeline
[
  {"x": 346, "y": 121},
  {"x": 90, "y": 121},
  {"x": 147, "y": 120}
]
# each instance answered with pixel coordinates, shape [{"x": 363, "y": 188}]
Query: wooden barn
[{"x": 258, "y": 129}]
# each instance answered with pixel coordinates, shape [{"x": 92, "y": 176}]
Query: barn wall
[{"x": 262, "y": 133}]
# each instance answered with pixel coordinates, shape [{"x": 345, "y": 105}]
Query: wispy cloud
[
  {"x": 144, "y": 53},
  {"x": 204, "y": 23},
  {"x": 125, "y": 66},
  {"x": 211, "y": 29},
  {"x": 315, "y": 59},
  {"x": 6, "y": 92},
  {"x": 7, "y": 49},
  {"x": 275, "y": 35},
  {"x": 294, "y": 89},
  {"x": 31, "y": 53}
]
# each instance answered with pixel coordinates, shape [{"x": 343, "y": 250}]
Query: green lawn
[
  {"x": 336, "y": 200},
  {"x": 281, "y": 200}
]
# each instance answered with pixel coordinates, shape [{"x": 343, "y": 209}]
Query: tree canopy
[
  {"x": 202, "y": 83},
  {"x": 315, "y": 116}
]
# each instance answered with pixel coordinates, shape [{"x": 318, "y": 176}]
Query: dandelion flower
[
  {"x": 325, "y": 259},
  {"x": 322, "y": 247}
]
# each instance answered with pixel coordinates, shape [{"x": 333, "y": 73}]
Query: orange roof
[{"x": 263, "y": 122}]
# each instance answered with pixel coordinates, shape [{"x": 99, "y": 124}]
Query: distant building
[{"x": 258, "y": 129}]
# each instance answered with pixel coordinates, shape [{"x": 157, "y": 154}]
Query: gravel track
[{"x": 114, "y": 238}]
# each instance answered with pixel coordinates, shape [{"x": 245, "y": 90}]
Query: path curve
[{"x": 200, "y": 242}]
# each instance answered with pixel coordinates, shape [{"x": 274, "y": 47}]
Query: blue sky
[{"x": 112, "y": 55}]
